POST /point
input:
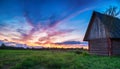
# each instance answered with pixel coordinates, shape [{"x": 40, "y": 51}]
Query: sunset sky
[{"x": 48, "y": 23}]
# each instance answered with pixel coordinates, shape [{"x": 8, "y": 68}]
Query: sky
[{"x": 48, "y": 23}]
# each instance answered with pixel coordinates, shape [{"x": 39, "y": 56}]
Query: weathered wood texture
[
  {"x": 98, "y": 46},
  {"x": 97, "y": 30},
  {"x": 116, "y": 47}
]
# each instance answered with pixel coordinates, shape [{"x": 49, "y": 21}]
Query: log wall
[
  {"x": 98, "y": 46},
  {"x": 116, "y": 47}
]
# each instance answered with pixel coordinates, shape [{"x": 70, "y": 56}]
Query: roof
[{"x": 112, "y": 25}]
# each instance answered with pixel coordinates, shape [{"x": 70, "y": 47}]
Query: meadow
[{"x": 53, "y": 59}]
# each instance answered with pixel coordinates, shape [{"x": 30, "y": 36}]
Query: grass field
[{"x": 32, "y": 59}]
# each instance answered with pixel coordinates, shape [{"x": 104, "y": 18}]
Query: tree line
[{"x": 3, "y": 46}]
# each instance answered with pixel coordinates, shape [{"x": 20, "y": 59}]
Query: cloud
[
  {"x": 54, "y": 16},
  {"x": 74, "y": 44},
  {"x": 14, "y": 28},
  {"x": 70, "y": 42},
  {"x": 42, "y": 26}
]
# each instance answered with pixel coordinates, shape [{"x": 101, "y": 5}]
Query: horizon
[{"x": 55, "y": 23}]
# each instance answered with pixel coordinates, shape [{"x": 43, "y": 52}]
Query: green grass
[{"x": 29, "y": 59}]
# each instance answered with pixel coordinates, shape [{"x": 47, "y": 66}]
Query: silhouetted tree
[
  {"x": 3, "y": 46},
  {"x": 112, "y": 11}
]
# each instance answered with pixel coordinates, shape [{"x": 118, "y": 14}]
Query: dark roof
[{"x": 112, "y": 24}]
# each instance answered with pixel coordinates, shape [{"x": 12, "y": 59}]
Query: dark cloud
[
  {"x": 73, "y": 42},
  {"x": 70, "y": 42},
  {"x": 22, "y": 32},
  {"x": 5, "y": 39}
]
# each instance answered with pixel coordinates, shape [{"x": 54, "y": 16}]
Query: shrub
[
  {"x": 78, "y": 52},
  {"x": 85, "y": 53}
]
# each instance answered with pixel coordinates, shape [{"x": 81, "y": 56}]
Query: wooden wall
[
  {"x": 98, "y": 46},
  {"x": 116, "y": 47}
]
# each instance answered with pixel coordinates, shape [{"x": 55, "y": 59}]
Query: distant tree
[
  {"x": 112, "y": 11},
  {"x": 3, "y": 46}
]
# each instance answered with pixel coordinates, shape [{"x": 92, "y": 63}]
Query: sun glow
[{"x": 52, "y": 45}]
